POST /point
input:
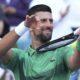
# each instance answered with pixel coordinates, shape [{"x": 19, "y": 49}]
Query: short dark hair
[{"x": 37, "y": 8}]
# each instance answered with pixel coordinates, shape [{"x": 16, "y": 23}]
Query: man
[
  {"x": 32, "y": 64},
  {"x": 59, "y": 10}
]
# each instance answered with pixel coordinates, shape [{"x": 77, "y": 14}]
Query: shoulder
[
  {"x": 16, "y": 52},
  {"x": 65, "y": 50}
]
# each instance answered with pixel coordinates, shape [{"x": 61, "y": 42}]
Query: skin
[
  {"x": 42, "y": 30},
  {"x": 41, "y": 26}
]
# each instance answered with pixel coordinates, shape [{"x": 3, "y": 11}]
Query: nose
[{"x": 49, "y": 23}]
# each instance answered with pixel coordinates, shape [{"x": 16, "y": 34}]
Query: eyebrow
[{"x": 44, "y": 19}]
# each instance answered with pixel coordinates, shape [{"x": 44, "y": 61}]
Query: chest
[{"x": 44, "y": 66}]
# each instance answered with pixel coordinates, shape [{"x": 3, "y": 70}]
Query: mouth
[{"x": 47, "y": 32}]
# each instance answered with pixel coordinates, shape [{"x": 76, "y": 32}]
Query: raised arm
[
  {"x": 10, "y": 39},
  {"x": 7, "y": 42}
]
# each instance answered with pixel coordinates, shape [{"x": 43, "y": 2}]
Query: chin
[{"x": 46, "y": 39}]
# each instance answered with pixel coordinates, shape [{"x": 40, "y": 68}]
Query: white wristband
[{"x": 21, "y": 29}]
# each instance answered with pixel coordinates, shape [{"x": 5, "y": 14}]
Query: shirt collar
[{"x": 31, "y": 51}]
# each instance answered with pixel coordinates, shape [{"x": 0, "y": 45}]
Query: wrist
[{"x": 21, "y": 29}]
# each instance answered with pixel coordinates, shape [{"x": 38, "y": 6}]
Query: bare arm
[
  {"x": 6, "y": 43},
  {"x": 10, "y": 39}
]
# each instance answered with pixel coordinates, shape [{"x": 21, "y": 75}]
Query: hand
[{"x": 32, "y": 21}]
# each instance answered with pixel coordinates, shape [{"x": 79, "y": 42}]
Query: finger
[{"x": 33, "y": 18}]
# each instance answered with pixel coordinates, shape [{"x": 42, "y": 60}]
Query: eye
[
  {"x": 43, "y": 20},
  {"x": 51, "y": 20}
]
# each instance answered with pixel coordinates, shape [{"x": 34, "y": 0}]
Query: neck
[{"x": 36, "y": 44}]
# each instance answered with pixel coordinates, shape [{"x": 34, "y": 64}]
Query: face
[
  {"x": 44, "y": 26},
  {"x": 1, "y": 26}
]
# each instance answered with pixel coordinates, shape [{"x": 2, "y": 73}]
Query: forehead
[{"x": 42, "y": 15}]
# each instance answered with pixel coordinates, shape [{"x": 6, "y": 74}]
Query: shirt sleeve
[{"x": 14, "y": 58}]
